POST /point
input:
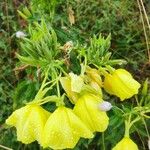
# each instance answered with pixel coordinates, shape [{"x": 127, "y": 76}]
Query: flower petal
[
  {"x": 63, "y": 129},
  {"x": 126, "y": 144},
  {"x": 29, "y": 122},
  {"x": 87, "y": 109}
]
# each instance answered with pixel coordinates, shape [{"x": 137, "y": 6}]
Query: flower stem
[
  {"x": 4, "y": 147},
  {"x": 126, "y": 129},
  {"x": 110, "y": 69},
  {"x": 103, "y": 141},
  {"x": 103, "y": 71},
  {"x": 127, "y": 126}
]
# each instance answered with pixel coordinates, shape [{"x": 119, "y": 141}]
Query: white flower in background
[
  {"x": 105, "y": 106},
  {"x": 20, "y": 34}
]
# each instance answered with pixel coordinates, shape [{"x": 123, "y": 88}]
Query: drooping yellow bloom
[
  {"x": 121, "y": 84},
  {"x": 63, "y": 129},
  {"x": 87, "y": 108},
  {"x": 126, "y": 144},
  {"x": 29, "y": 122}
]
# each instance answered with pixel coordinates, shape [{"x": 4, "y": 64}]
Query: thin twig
[
  {"x": 146, "y": 17},
  {"x": 145, "y": 125},
  {"x": 21, "y": 68},
  {"x": 4, "y": 147},
  {"x": 145, "y": 34}
]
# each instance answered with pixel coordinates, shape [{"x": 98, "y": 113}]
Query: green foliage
[{"x": 41, "y": 48}]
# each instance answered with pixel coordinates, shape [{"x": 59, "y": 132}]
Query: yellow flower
[
  {"x": 66, "y": 84},
  {"x": 63, "y": 129},
  {"x": 29, "y": 122},
  {"x": 121, "y": 84},
  {"x": 94, "y": 75},
  {"x": 126, "y": 144},
  {"x": 87, "y": 108}
]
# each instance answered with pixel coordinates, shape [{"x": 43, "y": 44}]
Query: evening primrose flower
[
  {"x": 126, "y": 144},
  {"x": 121, "y": 84},
  {"x": 87, "y": 109},
  {"x": 63, "y": 129},
  {"x": 29, "y": 122}
]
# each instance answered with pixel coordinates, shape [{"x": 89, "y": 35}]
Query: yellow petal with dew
[
  {"x": 29, "y": 122},
  {"x": 126, "y": 144},
  {"x": 126, "y": 80},
  {"x": 108, "y": 85},
  {"x": 63, "y": 129},
  {"x": 121, "y": 84},
  {"x": 87, "y": 110}
]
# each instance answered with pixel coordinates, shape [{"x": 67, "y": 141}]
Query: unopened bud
[
  {"x": 105, "y": 106},
  {"x": 20, "y": 34}
]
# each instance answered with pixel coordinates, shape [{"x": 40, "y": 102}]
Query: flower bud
[
  {"x": 126, "y": 144},
  {"x": 97, "y": 88},
  {"x": 105, "y": 106},
  {"x": 94, "y": 75},
  {"x": 121, "y": 84}
]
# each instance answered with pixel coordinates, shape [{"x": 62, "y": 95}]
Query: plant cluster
[{"x": 85, "y": 113}]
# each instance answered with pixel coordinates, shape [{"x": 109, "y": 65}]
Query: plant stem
[
  {"x": 110, "y": 69},
  {"x": 4, "y": 147},
  {"x": 127, "y": 126},
  {"x": 103, "y": 71},
  {"x": 146, "y": 127},
  {"x": 103, "y": 141},
  {"x": 126, "y": 129}
]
